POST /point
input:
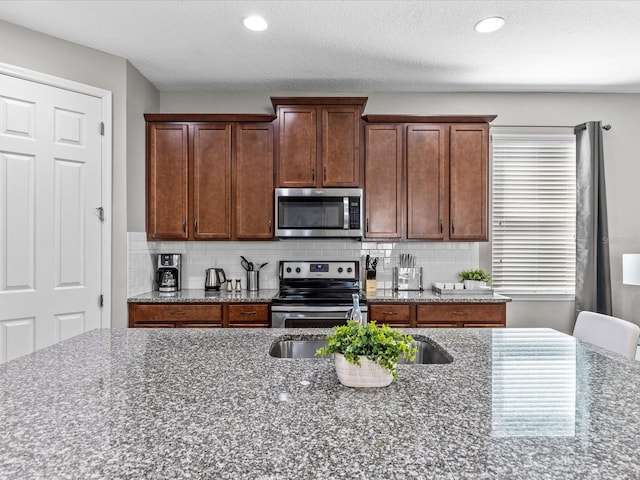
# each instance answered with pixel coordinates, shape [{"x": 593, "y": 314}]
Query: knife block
[{"x": 407, "y": 278}]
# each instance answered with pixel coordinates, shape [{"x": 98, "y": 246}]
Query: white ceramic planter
[
  {"x": 473, "y": 284},
  {"x": 368, "y": 374}
]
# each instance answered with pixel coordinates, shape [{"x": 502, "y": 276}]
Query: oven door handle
[{"x": 314, "y": 308}]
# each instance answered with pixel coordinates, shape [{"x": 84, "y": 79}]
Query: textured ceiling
[{"x": 356, "y": 46}]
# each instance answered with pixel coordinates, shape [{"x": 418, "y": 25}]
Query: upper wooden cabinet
[
  {"x": 383, "y": 181},
  {"x": 209, "y": 177},
  {"x": 444, "y": 176},
  {"x": 469, "y": 182},
  {"x": 319, "y": 141},
  {"x": 167, "y": 181}
]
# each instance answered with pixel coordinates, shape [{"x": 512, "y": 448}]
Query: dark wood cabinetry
[
  {"x": 383, "y": 181},
  {"x": 441, "y": 190},
  {"x": 319, "y": 141},
  {"x": 461, "y": 315},
  {"x": 167, "y": 181},
  {"x": 202, "y": 315},
  {"x": 174, "y": 315},
  {"x": 438, "y": 315},
  {"x": 209, "y": 177}
]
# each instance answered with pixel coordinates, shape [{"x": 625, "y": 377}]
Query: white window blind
[{"x": 533, "y": 212}]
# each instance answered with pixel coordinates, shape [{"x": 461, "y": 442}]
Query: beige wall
[{"x": 622, "y": 111}]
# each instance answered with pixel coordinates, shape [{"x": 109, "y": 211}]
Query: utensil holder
[
  {"x": 407, "y": 278},
  {"x": 253, "y": 280}
]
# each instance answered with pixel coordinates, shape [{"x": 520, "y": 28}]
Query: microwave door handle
[{"x": 345, "y": 216}]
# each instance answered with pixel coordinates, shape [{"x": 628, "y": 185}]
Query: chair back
[{"x": 608, "y": 332}]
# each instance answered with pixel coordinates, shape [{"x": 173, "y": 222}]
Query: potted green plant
[
  {"x": 474, "y": 278},
  {"x": 367, "y": 356}
]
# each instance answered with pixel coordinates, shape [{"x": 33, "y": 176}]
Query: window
[{"x": 533, "y": 210}]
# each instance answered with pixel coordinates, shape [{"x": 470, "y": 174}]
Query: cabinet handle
[
  {"x": 184, "y": 226},
  {"x": 441, "y": 226},
  {"x": 250, "y": 312},
  {"x": 453, "y": 226},
  {"x": 324, "y": 174},
  {"x": 389, "y": 313},
  {"x": 367, "y": 225},
  {"x": 177, "y": 313},
  {"x": 270, "y": 223},
  {"x": 460, "y": 313},
  {"x": 195, "y": 225},
  {"x": 313, "y": 174}
]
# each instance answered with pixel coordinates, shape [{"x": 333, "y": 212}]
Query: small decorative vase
[{"x": 368, "y": 374}]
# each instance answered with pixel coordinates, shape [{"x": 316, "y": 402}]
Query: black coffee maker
[{"x": 168, "y": 273}]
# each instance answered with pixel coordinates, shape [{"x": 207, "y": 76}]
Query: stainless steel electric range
[{"x": 316, "y": 294}]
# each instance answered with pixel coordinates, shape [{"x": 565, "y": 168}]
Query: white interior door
[{"x": 50, "y": 227}]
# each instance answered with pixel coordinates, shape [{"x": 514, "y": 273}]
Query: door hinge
[
  {"x": 101, "y": 300},
  {"x": 100, "y": 211},
  {"x": 102, "y": 128}
]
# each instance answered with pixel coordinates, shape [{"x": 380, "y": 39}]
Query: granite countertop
[
  {"x": 199, "y": 403},
  {"x": 202, "y": 296},
  {"x": 427, "y": 296}
]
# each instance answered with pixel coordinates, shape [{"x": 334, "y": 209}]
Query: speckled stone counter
[
  {"x": 200, "y": 296},
  {"x": 212, "y": 404},
  {"x": 427, "y": 296},
  {"x": 205, "y": 296}
]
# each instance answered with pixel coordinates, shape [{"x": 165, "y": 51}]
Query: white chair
[{"x": 608, "y": 332}]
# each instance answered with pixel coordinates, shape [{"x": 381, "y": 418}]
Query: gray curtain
[{"x": 593, "y": 276}]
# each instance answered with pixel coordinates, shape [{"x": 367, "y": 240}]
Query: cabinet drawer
[
  {"x": 178, "y": 312},
  {"x": 389, "y": 313},
  {"x": 249, "y": 312},
  {"x": 462, "y": 312}
]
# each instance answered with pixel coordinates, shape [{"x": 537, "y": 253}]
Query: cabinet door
[
  {"x": 248, "y": 315},
  {"x": 167, "y": 181},
  {"x": 173, "y": 314},
  {"x": 469, "y": 153},
  {"x": 394, "y": 315},
  {"x": 426, "y": 205},
  {"x": 383, "y": 181},
  {"x": 254, "y": 181},
  {"x": 212, "y": 181},
  {"x": 340, "y": 147},
  {"x": 297, "y": 152},
  {"x": 462, "y": 315}
]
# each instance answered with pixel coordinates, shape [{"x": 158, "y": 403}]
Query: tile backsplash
[{"x": 440, "y": 261}]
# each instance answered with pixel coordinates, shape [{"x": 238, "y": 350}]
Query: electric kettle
[{"x": 214, "y": 279}]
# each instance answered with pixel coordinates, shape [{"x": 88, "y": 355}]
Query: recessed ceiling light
[
  {"x": 489, "y": 24},
  {"x": 255, "y": 23}
]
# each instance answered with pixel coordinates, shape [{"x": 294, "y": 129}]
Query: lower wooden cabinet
[
  {"x": 176, "y": 315},
  {"x": 248, "y": 315},
  {"x": 462, "y": 315},
  {"x": 447, "y": 315},
  {"x": 393, "y": 314}
]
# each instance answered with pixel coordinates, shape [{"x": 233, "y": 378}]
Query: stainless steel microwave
[{"x": 318, "y": 212}]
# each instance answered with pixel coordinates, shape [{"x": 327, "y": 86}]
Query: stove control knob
[
  {"x": 288, "y": 269},
  {"x": 298, "y": 270},
  {"x": 349, "y": 269},
  {"x": 340, "y": 270}
]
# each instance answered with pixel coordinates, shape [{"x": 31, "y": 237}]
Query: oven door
[{"x": 316, "y": 316}]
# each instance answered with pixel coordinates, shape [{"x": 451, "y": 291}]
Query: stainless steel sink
[{"x": 305, "y": 347}]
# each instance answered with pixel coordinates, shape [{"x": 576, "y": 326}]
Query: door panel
[
  {"x": 50, "y": 232},
  {"x": 212, "y": 181},
  {"x": 383, "y": 181},
  {"x": 340, "y": 146},
  {"x": 254, "y": 181}
]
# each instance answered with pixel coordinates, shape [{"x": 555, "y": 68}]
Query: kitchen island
[{"x": 198, "y": 403}]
